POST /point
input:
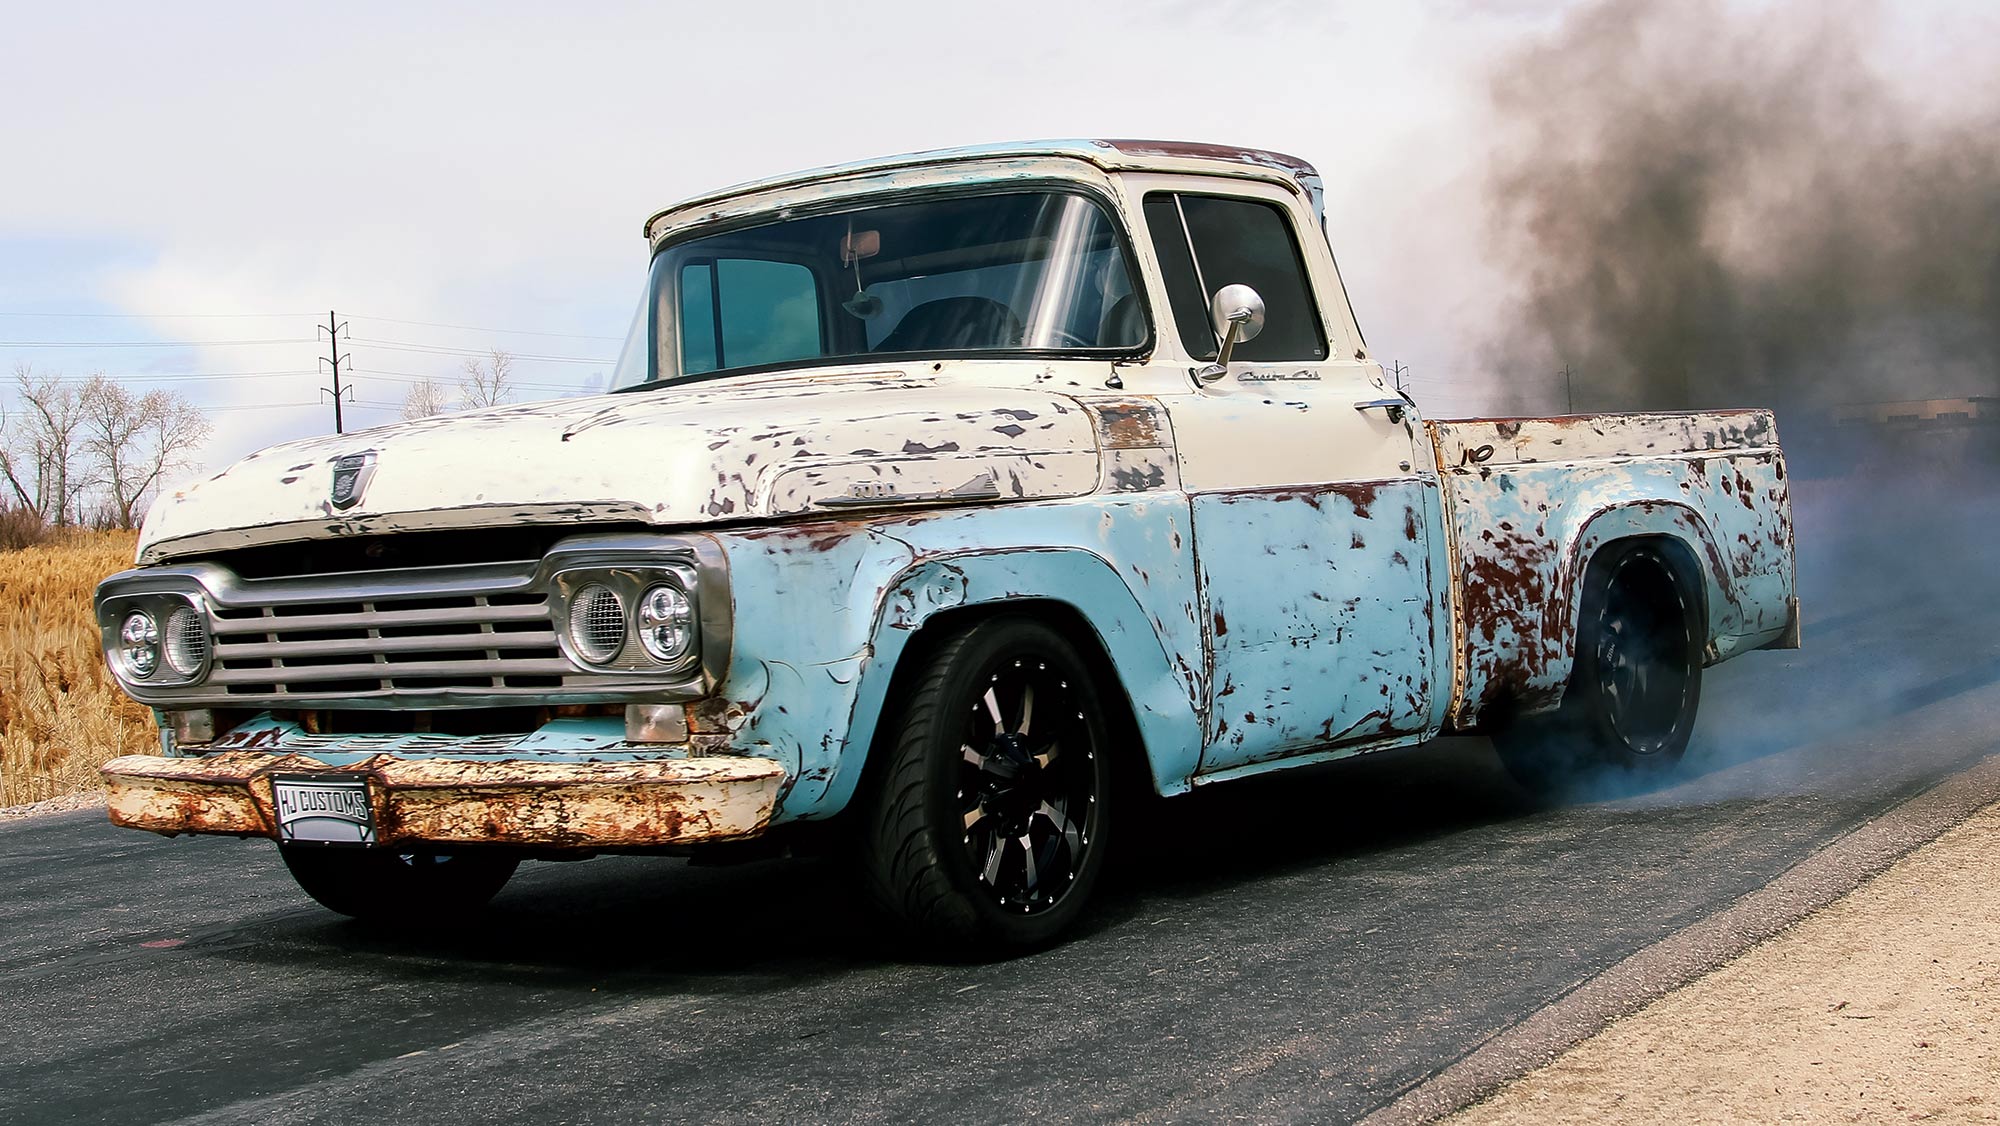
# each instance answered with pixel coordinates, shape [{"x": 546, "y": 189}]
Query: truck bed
[{"x": 1527, "y": 500}]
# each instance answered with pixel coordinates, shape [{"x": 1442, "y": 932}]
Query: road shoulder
[
  {"x": 1884, "y": 1005},
  {"x": 1650, "y": 974},
  {"x": 68, "y": 803}
]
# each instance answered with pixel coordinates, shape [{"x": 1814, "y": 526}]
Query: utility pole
[
  {"x": 334, "y": 330},
  {"x": 1399, "y": 371},
  {"x": 1569, "y": 396}
]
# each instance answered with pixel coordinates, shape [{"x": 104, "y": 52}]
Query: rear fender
[{"x": 1509, "y": 673}]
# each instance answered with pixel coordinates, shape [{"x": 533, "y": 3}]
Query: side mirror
[{"x": 1237, "y": 312}]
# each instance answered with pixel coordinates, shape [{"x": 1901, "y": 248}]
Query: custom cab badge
[{"x": 350, "y": 478}]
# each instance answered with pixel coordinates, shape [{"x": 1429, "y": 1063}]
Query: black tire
[
  {"x": 1631, "y": 700},
  {"x": 399, "y": 887},
  {"x": 987, "y": 824}
]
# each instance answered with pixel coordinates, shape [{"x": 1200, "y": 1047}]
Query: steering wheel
[{"x": 1064, "y": 336}]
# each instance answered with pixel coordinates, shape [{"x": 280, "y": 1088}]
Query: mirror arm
[{"x": 1220, "y": 367}]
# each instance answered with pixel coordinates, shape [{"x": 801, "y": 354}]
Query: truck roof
[{"x": 1111, "y": 155}]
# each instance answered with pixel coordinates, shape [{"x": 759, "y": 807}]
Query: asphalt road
[{"x": 1305, "y": 946}]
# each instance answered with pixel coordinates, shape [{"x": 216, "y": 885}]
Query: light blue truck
[{"x": 941, "y": 503}]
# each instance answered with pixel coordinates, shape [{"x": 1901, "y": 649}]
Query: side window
[
  {"x": 1206, "y": 242},
  {"x": 741, "y": 312}
]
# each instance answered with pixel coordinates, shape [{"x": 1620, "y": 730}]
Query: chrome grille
[{"x": 371, "y": 646}]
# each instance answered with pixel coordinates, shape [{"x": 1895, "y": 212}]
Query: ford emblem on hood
[{"x": 350, "y": 478}]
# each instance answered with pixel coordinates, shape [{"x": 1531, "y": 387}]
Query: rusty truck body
[{"x": 942, "y": 502}]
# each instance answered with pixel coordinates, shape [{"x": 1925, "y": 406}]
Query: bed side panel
[{"x": 1531, "y": 500}]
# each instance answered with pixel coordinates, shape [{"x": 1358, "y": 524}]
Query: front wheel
[
  {"x": 1631, "y": 699},
  {"x": 989, "y": 823},
  {"x": 399, "y": 887}
]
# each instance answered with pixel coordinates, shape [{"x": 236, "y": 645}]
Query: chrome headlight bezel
[
  {"x": 629, "y": 582},
  {"x": 161, "y": 607}
]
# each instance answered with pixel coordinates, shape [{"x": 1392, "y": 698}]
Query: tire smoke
[{"x": 1706, "y": 204}]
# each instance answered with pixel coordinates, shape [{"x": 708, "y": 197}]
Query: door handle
[{"x": 1392, "y": 407}]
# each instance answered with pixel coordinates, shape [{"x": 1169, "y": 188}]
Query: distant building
[{"x": 1921, "y": 412}]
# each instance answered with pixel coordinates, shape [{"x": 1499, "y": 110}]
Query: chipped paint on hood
[{"x": 723, "y": 451}]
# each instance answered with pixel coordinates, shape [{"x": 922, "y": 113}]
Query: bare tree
[
  {"x": 488, "y": 382},
  {"x": 40, "y": 445},
  {"x": 131, "y": 441},
  {"x": 425, "y": 399}
]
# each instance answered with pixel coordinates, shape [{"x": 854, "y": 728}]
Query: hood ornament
[{"x": 350, "y": 478}]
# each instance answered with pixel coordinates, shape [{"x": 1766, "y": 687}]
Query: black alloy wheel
[
  {"x": 1648, "y": 674},
  {"x": 1636, "y": 686},
  {"x": 988, "y": 827}
]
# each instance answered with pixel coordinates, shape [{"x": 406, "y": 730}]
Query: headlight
[
  {"x": 597, "y": 623},
  {"x": 139, "y": 644},
  {"x": 666, "y": 623},
  {"x": 186, "y": 641},
  {"x": 638, "y": 616}
]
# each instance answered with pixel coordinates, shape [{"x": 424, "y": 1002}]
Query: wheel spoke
[
  {"x": 1028, "y": 857},
  {"x": 1049, "y": 754},
  {"x": 974, "y": 757},
  {"x": 1059, "y": 820},
  {"x": 995, "y": 852},
  {"x": 1027, "y": 708},
  {"x": 993, "y": 709},
  {"x": 974, "y": 816}
]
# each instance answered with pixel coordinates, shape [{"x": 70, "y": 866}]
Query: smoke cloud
[{"x": 1710, "y": 205}]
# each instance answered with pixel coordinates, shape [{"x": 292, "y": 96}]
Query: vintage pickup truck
[{"x": 942, "y": 506}]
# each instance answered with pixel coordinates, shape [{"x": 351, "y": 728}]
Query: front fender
[
  {"x": 825, "y": 612},
  {"x": 1153, "y": 680}
]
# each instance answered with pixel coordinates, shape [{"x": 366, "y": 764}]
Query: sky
[{"x": 191, "y": 188}]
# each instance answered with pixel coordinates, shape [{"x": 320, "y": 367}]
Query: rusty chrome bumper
[{"x": 582, "y": 805}]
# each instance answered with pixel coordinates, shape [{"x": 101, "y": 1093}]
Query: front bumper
[{"x": 583, "y": 805}]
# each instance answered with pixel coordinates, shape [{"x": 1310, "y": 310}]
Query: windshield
[{"x": 1023, "y": 272}]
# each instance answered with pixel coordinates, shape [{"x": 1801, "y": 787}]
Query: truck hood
[{"x": 727, "y": 451}]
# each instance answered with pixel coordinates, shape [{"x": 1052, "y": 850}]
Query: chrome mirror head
[
  {"x": 1237, "y": 312},
  {"x": 1241, "y": 307}
]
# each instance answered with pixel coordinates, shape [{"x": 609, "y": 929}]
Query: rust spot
[{"x": 1129, "y": 425}]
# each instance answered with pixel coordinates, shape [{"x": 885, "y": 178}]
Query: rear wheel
[
  {"x": 1632, "y": 696},
  {"x": 384, "y": 886},
  {"x": 988, "y": 826}
]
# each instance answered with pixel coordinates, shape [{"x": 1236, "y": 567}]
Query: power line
[
  {"x": 152, "y": 316},
  {"x": 144, "y": 343},
  {"x": 257, "y": 406},
  {"x": 414, "y": 377},
  {"x": 484, "y": 328},
  {"x": 441, "y": 350},
  {"x": 151, "y": 377}
]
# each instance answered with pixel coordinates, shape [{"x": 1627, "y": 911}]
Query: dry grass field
[{"x": 61, "y": 716}]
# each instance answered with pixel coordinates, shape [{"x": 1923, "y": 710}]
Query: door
[{"x": 1313, "y": 520}]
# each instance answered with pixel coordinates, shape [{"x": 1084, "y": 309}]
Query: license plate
[{"x": 324, "y": 811}]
